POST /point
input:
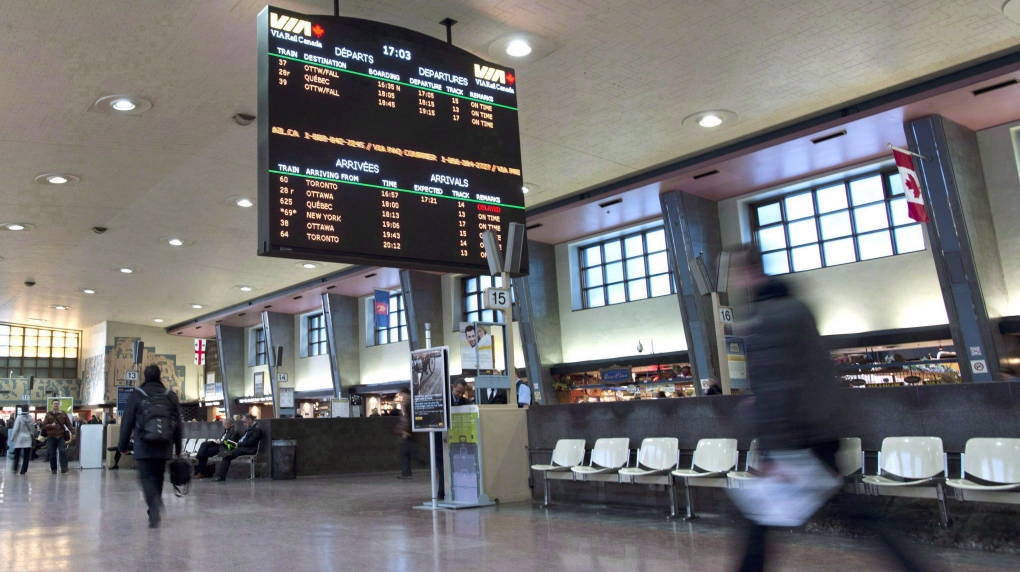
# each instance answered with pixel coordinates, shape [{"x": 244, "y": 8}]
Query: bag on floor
[
  {"x": 795, "y": 485},
  {"x": 180, "y": 476}
]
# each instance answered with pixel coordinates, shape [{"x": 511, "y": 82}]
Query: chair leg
[
  {"x": 944, "y": 519},
  {"x": 548, "y": 501},
  {"x": 671, "y": 490},
  {"x": 690, "y": 501}
]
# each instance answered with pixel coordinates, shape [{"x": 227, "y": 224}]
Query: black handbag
[{"x": 180, "y": 476}]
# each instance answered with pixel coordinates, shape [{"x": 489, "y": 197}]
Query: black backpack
[
  {"x": 155, "y": 422},
  {"x": 180, "y": 476}
]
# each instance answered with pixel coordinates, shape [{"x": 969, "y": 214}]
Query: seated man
[
  {"x": 214, "y": 447},
  {"x": 248, "y": 444}
]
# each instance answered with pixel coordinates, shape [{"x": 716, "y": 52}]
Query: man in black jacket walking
[
  {"x": 151, "y": 454},
  {"x": 248, "y": 445}
]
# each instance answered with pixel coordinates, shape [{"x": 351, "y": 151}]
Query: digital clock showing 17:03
[{"x": 382, "y": 146}]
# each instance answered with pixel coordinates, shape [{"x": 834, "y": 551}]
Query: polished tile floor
[{"x": 95, "y": 520}]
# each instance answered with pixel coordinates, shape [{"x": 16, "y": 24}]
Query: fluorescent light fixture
[
  {"x": 518, "y": 48},
  {"x": 244, "y": 203},
  {"x": 126, "y": 270}
]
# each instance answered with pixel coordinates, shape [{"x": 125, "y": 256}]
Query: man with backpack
[{"x": 152, "y": 418}]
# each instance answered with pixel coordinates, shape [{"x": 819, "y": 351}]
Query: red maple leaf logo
[
  {"x": 912, "y": 185},
  {"x": 318, "y": 31},
  {"x": 510, "y": 79}
]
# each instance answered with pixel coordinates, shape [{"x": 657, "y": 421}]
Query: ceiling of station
[{"x": 608, "y": 100}]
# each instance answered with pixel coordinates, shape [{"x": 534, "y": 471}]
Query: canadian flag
[
  {"x": 199, "y": 352},
  {"x": 911, "y": 186}
]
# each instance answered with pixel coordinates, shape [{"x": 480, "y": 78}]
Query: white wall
[
  {"x": 614, "y": 331},
  {"x": 311, "y": 373},
  {"x": 882, "y": 294},
  {"x": 998, "y": 148},
  {"x": 93, "y": 342}
]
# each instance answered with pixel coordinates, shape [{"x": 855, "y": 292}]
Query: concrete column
[
  {"x": 423, "y": 302},
  {"x": 544, "y": 318},
  {"x": 230, "y": 347},
  {"x": 341, "y": 315},
  {"x": 692, "y": 231},
  {"x": 962, "y": 239},
  {"x": 279, "y": 332}
]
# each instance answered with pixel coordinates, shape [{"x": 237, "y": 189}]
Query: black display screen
[{"x": 380, "y": 145}]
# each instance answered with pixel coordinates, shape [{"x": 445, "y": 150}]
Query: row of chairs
[
  {"x": 907, "y": 466},
  {"x": 191, "y": 449}
]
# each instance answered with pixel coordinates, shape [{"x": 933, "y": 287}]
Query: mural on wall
[
  {"x": 103, "y": 373},
  {"x": 93, "y": 375},
  {"x": 15, "y": 387}
]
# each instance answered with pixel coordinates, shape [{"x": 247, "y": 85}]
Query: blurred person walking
[
  {"x": 22, "y": 440},
  {"x": 152, "y": 418},
  {"x": 797, "y": 404},
  {"x": 404, "y": 436}
]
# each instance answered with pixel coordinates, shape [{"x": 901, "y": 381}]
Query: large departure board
[{"x": 380, "y": 145}]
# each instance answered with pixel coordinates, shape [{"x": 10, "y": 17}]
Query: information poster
[
  {"x": 465, "y": 469},
  {"x": 339, "y": 407},
  {"x": 736, "y": 360},
  {"x": 260, "y": 383},
  {"x": 286, "y": 398},
  {"x": 429, "y": 380},
  {"x": 210, "y": 387},
  {"x": 123, "y": 393},
  {"x": 476, "y": 348}
]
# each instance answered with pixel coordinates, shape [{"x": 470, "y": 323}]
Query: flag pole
[{"x": 908, "y": 152}]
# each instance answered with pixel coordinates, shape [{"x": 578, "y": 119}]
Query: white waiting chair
[
  {"x": 656, "y": 457},
  {"x": 608, "y": 456},
  {"x": 567, "y": 454},
  {"x": 737, "y": 479},
  {"x": 713, "y": 458},
  {"x": 912, "y": 462},
  {"x": 191, "y": 447},
  {"x": 850, "y": 456},
  {"x": 995, "y": 463}
]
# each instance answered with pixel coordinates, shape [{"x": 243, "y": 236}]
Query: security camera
[
  {"x": 99, "y": 229},
  {"x": 243, "y": 119},
  {"x": 29, "y": 283}
]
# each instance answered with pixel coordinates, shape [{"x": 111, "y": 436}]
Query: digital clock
[{"x": 397, "y": 53}]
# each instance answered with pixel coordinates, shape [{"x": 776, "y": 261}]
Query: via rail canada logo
[
  {"x": 296, "y": 26},
  {"x": 494, "y": 75}
]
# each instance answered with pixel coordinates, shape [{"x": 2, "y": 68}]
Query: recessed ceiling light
[
  {"x": 530, "y": 188},
  {"x": 196, "y": 306},
  {"x": 525, "y": 189},
  {"x": 60, "y": 307},
  {"x": 244, "y": 288},
  {"x": 518, "y": 48},
  {"x": 37, "y": 320},
  {"x": 57, "y": 179},
  {"x": 89, "y": 291},
  {"x": 244, "y": 203},
  {"x": 158, "y": 320},
  {"x": 16, "y": 226},
  {"x": 123, "y": 104},
  {"x": 307, "y": 265},
  {"x": 176, "y": 242},
  {"x": 710, "y": 119},
  {"x": 126, "y": 270}
]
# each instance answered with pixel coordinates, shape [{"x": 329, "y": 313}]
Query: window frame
[
  {"x": 889, "y": 196},
  {"x": 315, "y": 330},
  {"x": 261, "y": 347},
  {"x": 399, "y": 317},
  {"x": 626, "y": 280},
  {"x": 46, "y": 366},
  {"x": 480, "y": 314}
]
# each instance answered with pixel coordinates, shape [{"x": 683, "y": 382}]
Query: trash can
[{"x": 284, "y": 459}]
